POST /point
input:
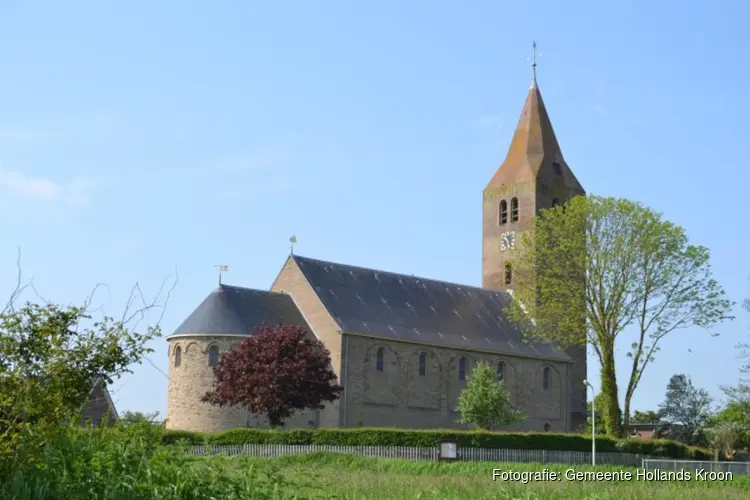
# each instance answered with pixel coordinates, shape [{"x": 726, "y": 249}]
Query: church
[{"x": 403, "y": 346}]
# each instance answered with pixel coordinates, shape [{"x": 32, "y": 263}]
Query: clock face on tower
[{"x": 507, "y": 241}]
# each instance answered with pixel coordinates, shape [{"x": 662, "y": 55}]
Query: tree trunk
[
  {"x": 274, "y": 421},
  {"x": 626, "y": 417},
  {"x": 611, "y": 415}
]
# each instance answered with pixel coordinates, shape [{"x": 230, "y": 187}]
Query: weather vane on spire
[
  {"x": 222, "y": 269},
  {"x": 533, "y": 63}
]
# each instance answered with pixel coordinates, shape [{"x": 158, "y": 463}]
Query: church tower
[{"x": 533, "y": 176}]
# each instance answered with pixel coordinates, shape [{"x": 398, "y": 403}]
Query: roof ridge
[
  {"x": 248, "y": 289},
  {"x": 442, "y": 282}
]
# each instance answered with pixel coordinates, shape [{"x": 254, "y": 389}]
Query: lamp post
[{"x": 593, "y": 421}]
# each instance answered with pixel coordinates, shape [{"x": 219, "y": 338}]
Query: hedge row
[{"x": 427, "y": 438}]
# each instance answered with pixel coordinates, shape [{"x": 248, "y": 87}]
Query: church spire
[{"x": 534, "y": 146}]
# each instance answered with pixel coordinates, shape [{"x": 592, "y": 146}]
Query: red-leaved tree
[{"x": 275, "y": 372}]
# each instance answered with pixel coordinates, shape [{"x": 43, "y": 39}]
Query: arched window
[
  {"x": 514, "y": 210},
  {"x": 422, "y": 364},
  {"x": 379, "y": 360},
  {"x": 177, "y": 356},
  {"x": 462, "y": 369},
  {"x": 555, "y": 202},
  {"x": 545, "y": 378},
  {"x": 508, "y": 274},
  {"x": 503, "y": 212},
  {"x": 213, "y": 355},
  {"x": 500, "y": 371}
]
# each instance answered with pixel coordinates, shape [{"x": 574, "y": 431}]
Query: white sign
[{"x": 448, "y": 450}]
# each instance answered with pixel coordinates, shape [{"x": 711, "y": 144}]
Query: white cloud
[{"x": 75, "y": 192}]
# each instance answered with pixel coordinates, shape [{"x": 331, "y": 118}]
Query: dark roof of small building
[
  {"x": 406, "y": 308},
  {"x": 99, "y": 404},
  {"x": 232, "y": 310}
]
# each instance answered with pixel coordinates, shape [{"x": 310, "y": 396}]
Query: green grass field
[
  {"x": 348, "y": 477},
  {"x": 131, "y": 463}
]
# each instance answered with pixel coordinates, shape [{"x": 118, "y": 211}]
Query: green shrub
[
  {"x": 383, "y": 436},
  {"x": 664, "y": 448},
  {"x": 131, "y": 462},
  {"x": 175, "y": 436}
]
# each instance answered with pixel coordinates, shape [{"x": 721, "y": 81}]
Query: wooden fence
[{"x": 421, "y": 453}]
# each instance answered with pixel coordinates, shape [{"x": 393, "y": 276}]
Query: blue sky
[{"x": 149, "y": 137}]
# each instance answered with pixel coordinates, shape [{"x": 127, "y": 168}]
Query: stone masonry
[{"x": 193, "y": 378}]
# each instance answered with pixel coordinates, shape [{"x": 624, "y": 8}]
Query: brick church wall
[{"x": 399, "y": 397}]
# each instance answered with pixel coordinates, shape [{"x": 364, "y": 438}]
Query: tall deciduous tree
[
  {"x": 686, "y": 406},
  {"x": 278, "y": 370},
  {"x": 595, "y": 266},
  {"x": 596, "y": 408},
  {"x": 485, "y": 402}
]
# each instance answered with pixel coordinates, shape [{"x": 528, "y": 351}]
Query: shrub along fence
[{"x": 428, "y": 439}]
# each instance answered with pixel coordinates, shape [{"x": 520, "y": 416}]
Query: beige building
[{"x": 402, "y": 346}]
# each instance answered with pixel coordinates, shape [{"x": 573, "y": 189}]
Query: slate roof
[
  {"x": 232, "y": 310},
  {"x": 407, "y": 308},
  {"x": 98, "y": 404}
]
